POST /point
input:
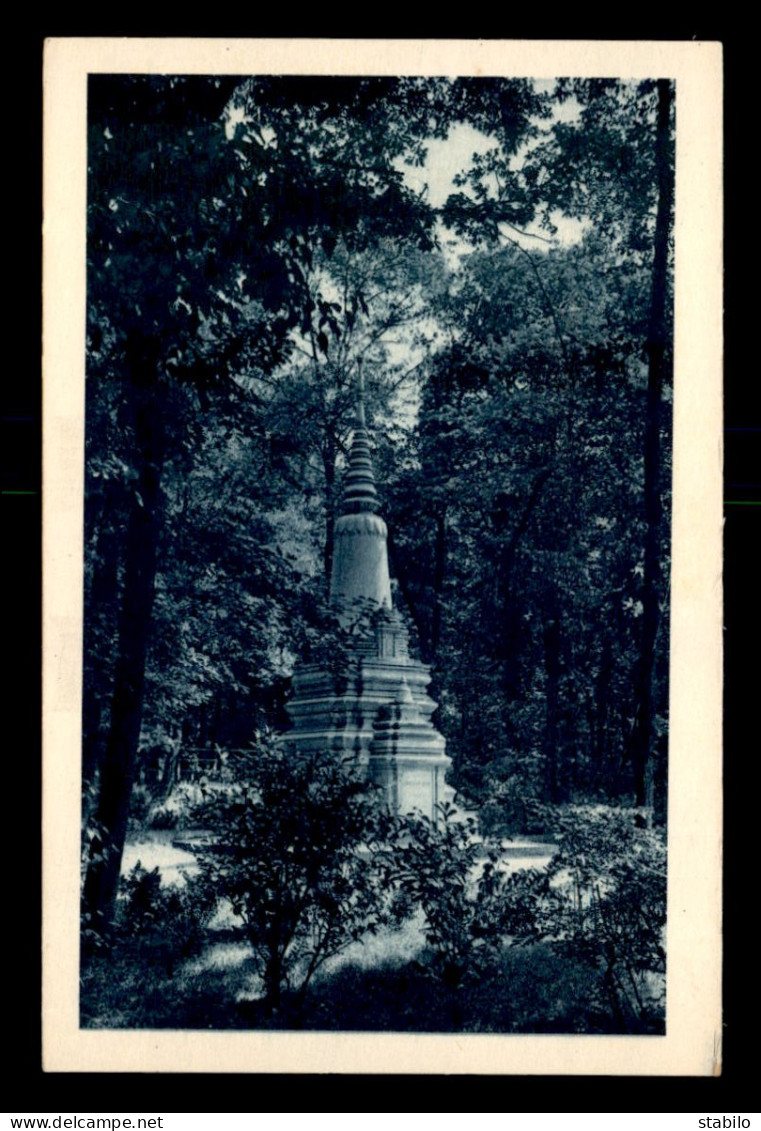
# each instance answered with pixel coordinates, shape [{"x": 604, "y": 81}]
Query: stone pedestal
[{"x": 381, "y": 717}]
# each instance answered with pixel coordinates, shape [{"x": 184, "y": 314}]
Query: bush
[
  {"x": 602, "y": 899},
  {"x": 128, "y": 975},
  {"x": 511, "y": 810},
  {"x": 291, "y": 851},
  {"x": 177, "y": 809},
  {"x": 448, "y": 872},
  {"x": 169, "y": 921}
]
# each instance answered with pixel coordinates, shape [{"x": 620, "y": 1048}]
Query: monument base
[{"x": 381, "y": 718}]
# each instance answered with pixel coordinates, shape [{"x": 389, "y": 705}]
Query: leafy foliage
[
  {"x": 172, "y": 919},
  {"x": 443, "y": 868},
  {"x": 206, "y": 205},
  {"x": 519, "y": 526},
  {"x": 290, "y": 850},
  {"x": 602, "y": 899}
]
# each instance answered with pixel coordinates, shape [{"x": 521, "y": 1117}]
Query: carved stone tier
[{"x": 380, "y": 715}]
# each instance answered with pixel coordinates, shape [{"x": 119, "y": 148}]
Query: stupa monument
[{"x": 381, "y": 713}]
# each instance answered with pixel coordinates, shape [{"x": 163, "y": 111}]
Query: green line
[
  {"x": 742, "y": 502},
  {"x": 20, "y": 492}
]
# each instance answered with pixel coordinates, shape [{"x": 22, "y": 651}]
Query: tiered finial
[{"x": 359, "y": 486}]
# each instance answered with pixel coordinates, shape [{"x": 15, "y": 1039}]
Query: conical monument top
[
  {"x": 359, "y": 486},
  {"x": 360, "y": 559}
]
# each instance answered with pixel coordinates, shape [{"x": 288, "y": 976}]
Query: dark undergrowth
[{"x": 533, "y": 989}]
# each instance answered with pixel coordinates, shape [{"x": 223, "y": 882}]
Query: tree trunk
[
  {"x": 100, "y": 611},
  {"x": 400, "y": 571},
  {"x": 601, "y": 707},
  {"x": 551, "y": 632},
  {"x": 273, "y": 980},
  {"x": 439, "y": 571},
  {"x": 657, "y": 351},
  {"x": 510, "y": 626},
  {"x": 132, "y": 643}
]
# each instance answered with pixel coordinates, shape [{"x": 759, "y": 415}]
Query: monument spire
[
  {"x": 360, "y": 557},
  {"x": 359, "y": 487},
  {"x": 381, "y": 715}
]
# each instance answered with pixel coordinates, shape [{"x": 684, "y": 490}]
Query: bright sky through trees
[{"x": 448, "y": 157}]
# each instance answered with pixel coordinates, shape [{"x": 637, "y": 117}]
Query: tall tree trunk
[
  {"x": 273, "y": 979},
  {"x": 657, "y": 350},
  {"x": 439, "y": 571},
  {"x": 551, "y": 633},
  {"x": 601, "y": 708},
  {"x": 400, "y": 571},
  {"x": 100, "y": 605},
  {"x": 509, "y": 630},
  {"x": 132, "y": 644}
]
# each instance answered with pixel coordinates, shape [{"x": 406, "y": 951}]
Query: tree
[
  {"x": 160, "y": 334},
  {"x": 291, "y": 849},
  {"x": 544, "y": 464},
  {"x": 516, "y": 518},
  {"x": 365, "y": 304},
  {"x": 623, "y": 139},
  {"x": 250, "y": 243}
]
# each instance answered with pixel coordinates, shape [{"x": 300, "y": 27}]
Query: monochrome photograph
[{"x": 379, "y": 719}]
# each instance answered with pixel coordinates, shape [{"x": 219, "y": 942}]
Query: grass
[{"x": 532, "y": 989}]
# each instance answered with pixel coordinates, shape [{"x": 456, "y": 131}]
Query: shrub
[
  {"x": 445, "y": 869},
  {"x": 291, "y": 851},
  {"x": 602, "y": 898},
  {"x": 511, "y": 809},
  {"x": 177, "y": 808},
  {"x": 168, "y": 921}
]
